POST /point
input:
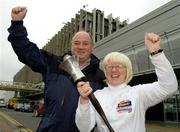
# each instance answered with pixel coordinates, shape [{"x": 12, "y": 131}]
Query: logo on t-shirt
[{"x": 124, "y": 106}]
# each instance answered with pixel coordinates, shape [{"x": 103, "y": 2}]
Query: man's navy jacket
[{"x": 60, "y": 93}]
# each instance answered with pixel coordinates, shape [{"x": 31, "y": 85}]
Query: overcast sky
[{"x": 46, "y": 17}]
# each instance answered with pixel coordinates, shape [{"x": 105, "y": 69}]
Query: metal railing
[{"x": 19, "y": 86}]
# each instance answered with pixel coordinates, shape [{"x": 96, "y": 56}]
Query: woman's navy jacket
[{"x": 60, "y": 94}]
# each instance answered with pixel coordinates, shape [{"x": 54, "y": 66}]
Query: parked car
[
  {"x": 27, "y": 107},
  {"x": 18, "y": 106},
  {"x": 39, "y": 108},
  {"x": 24, "y": 105},
  {"x": 2, "y": 102}
]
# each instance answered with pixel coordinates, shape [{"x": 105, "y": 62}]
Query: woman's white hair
[{"x": 120, "y": 58}]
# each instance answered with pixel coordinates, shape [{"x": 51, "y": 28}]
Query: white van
[{"x": 2, "y": 102}]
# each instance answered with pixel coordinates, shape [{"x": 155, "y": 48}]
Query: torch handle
[{"x": 99, "y": 109}]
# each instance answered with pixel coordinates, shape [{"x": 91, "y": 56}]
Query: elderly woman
[{"x": 125, "y": 105}]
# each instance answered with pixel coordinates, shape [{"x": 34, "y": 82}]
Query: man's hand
[
  {"x": 18, "y": 13},
  {"x": 152, "y": 42}
]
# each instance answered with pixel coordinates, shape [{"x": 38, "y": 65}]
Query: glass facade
[{"x": 172, "y": 108}]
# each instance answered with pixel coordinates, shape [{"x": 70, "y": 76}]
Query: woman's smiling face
[{"x": 115, "y": 73}]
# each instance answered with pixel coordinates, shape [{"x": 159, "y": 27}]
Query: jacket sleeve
[
  {"x": 85, "y": 117},
  {"x": 166, "y": 85},
  {"x": 27, "y": 52}
]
